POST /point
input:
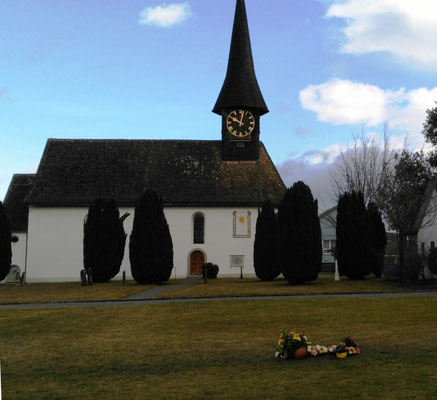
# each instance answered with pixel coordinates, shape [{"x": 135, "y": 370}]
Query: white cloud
[
  {"x": 165, "y": 15},
  {"x": 343, "y": 102},
  {"x": 405, "y": 28}
]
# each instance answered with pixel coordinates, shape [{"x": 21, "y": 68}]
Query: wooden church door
[{"x": 196, "y": 262}]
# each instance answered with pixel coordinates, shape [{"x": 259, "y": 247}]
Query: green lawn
[
  {"x": 68, "y": 291},
  {"x": 73, "y": 291},
  {"x": 255, "y": 287},
  {"x": 220, "y": 350}
]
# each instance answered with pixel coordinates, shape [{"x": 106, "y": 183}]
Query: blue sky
[{"x": 149, "y": 69}]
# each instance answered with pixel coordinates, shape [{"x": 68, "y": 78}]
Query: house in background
[
  {"x": 211, "y": 190},
  {"x": 426, "y": 224},
  {"x": 328, "y": 223}
]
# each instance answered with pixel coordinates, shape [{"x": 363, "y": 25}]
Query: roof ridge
[{"x": 130, "y": 140}]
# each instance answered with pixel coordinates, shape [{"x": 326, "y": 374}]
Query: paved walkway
[
  {"x": 156, "y": 291},
  {"x": 130, "y": 303}
]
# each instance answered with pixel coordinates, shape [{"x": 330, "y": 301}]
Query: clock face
[{"x": 240, "y": 123}]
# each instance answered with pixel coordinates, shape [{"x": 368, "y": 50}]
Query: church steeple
[{"x": 240, "y": 88}]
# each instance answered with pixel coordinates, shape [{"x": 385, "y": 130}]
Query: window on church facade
[{"x": 199, "y": 228}]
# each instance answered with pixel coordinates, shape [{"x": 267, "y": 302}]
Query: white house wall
[
  {"x": 55, "y": 244},
  {"x": 428, "y": 233}
]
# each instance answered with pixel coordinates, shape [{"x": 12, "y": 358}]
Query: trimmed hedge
[
  {"x": 300, "y": 242},
  {"x": 151, "y": 246},
  {"x": 5, "y": 244},
  {"x": 265, "y": 246}
]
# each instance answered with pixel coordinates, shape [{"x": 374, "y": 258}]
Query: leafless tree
[{"x": 362, "y": 167}]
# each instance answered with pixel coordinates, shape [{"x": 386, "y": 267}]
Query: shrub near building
[
  {"x": 353, "y": 244},
  {"x": 300, "y": 243},
  {"x": 265, "y": 246},
  {"x": 104, "y": 240},
  {"x": 5, "y": 244},
  {"x": 151, "y": 246}
]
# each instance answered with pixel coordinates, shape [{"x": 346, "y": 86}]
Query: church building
[{"x": 211, "y": 189}]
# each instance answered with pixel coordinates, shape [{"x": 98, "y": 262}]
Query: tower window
[{"x": 199, "y": 228}]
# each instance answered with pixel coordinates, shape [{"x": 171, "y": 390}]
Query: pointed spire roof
[{"x": 240, "y": 88}]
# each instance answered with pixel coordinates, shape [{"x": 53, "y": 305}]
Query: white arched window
[{"x": 198, "y": 228}]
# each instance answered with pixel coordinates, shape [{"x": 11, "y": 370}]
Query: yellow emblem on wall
[{"x": 242, "y": 228}]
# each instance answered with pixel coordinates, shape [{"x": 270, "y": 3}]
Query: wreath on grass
[{"x": 297, "y": 345}]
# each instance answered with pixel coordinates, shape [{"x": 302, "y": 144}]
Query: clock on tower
[{"x": 240, "y": 102}]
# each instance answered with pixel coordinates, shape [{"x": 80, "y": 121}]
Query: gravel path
[{"x": 160, "y": 289}]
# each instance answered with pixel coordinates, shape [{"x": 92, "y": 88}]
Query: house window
[
  {"x": 328, "y": 245},
  {"x": 198, "y": 228}
]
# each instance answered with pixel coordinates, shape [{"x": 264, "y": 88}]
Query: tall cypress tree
[
  {"x": 265, "y": 246},
  {"x": 353, "y": 245},
  {"x": 5, "y": 244},
  {"x": 299, "y": 235},
  {"x": 150, "y": 246},
  {"x": 104, "y": 240},
  {"x": 377, "y": 238}
]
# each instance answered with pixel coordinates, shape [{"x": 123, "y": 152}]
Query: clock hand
[
  {"x": 236, "y": 120},
  {"x": 242, "y": 116}
]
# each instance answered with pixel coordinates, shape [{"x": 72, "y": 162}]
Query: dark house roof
[
  {"x": 240, "y": 88},
  {"x": 76, "y": 172},
  {"x": 15, "y": 204}
]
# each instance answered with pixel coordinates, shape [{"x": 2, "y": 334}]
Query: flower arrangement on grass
[{"x": 296, "y": 345}]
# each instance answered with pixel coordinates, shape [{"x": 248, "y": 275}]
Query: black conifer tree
[
  {"x": 150, "y": 246},
  {"x": 377, "y": 238},
  {"x": 104, "y": 240},
  {"x": 265, "y": 246},
  {"x": 353, "y": 245},
  {"x": 5, "y": 243},
  {"x": 300, "y": 244}
]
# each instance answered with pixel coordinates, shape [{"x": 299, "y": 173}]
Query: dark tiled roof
[
  {"x": 75, "y": 172},
  {"x": 15, "y": 204},
  {"x": 240, "y": 88}
]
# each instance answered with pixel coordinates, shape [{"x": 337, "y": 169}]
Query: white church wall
[{"x": 55, "y": 241}]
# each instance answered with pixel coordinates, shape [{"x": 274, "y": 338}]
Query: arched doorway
[{"x": 197, "y": 259}]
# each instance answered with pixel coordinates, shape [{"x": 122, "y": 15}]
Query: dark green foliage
[
  {"x": 432, "y": 260},
  {"x": 212, "y": 270},
  {"x": 430, "y": 126},
  {"x": 300, "y": 244},
  {"x": 5, "y": 244},
  {"x": 104, "y": 240},
  {"x": 265, "y": 247},
  {"x": 377, "y": 239},
  {"x": 151, "y": 246},
  {"x": 353, "y": 245}
]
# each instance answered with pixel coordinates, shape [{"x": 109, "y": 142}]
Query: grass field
[
  {"x": 73, "y": 291},
  {"x": 220, "y": 350},
  {"x": 69, "y": 291},
  {"x": 255, "y": 287}
]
